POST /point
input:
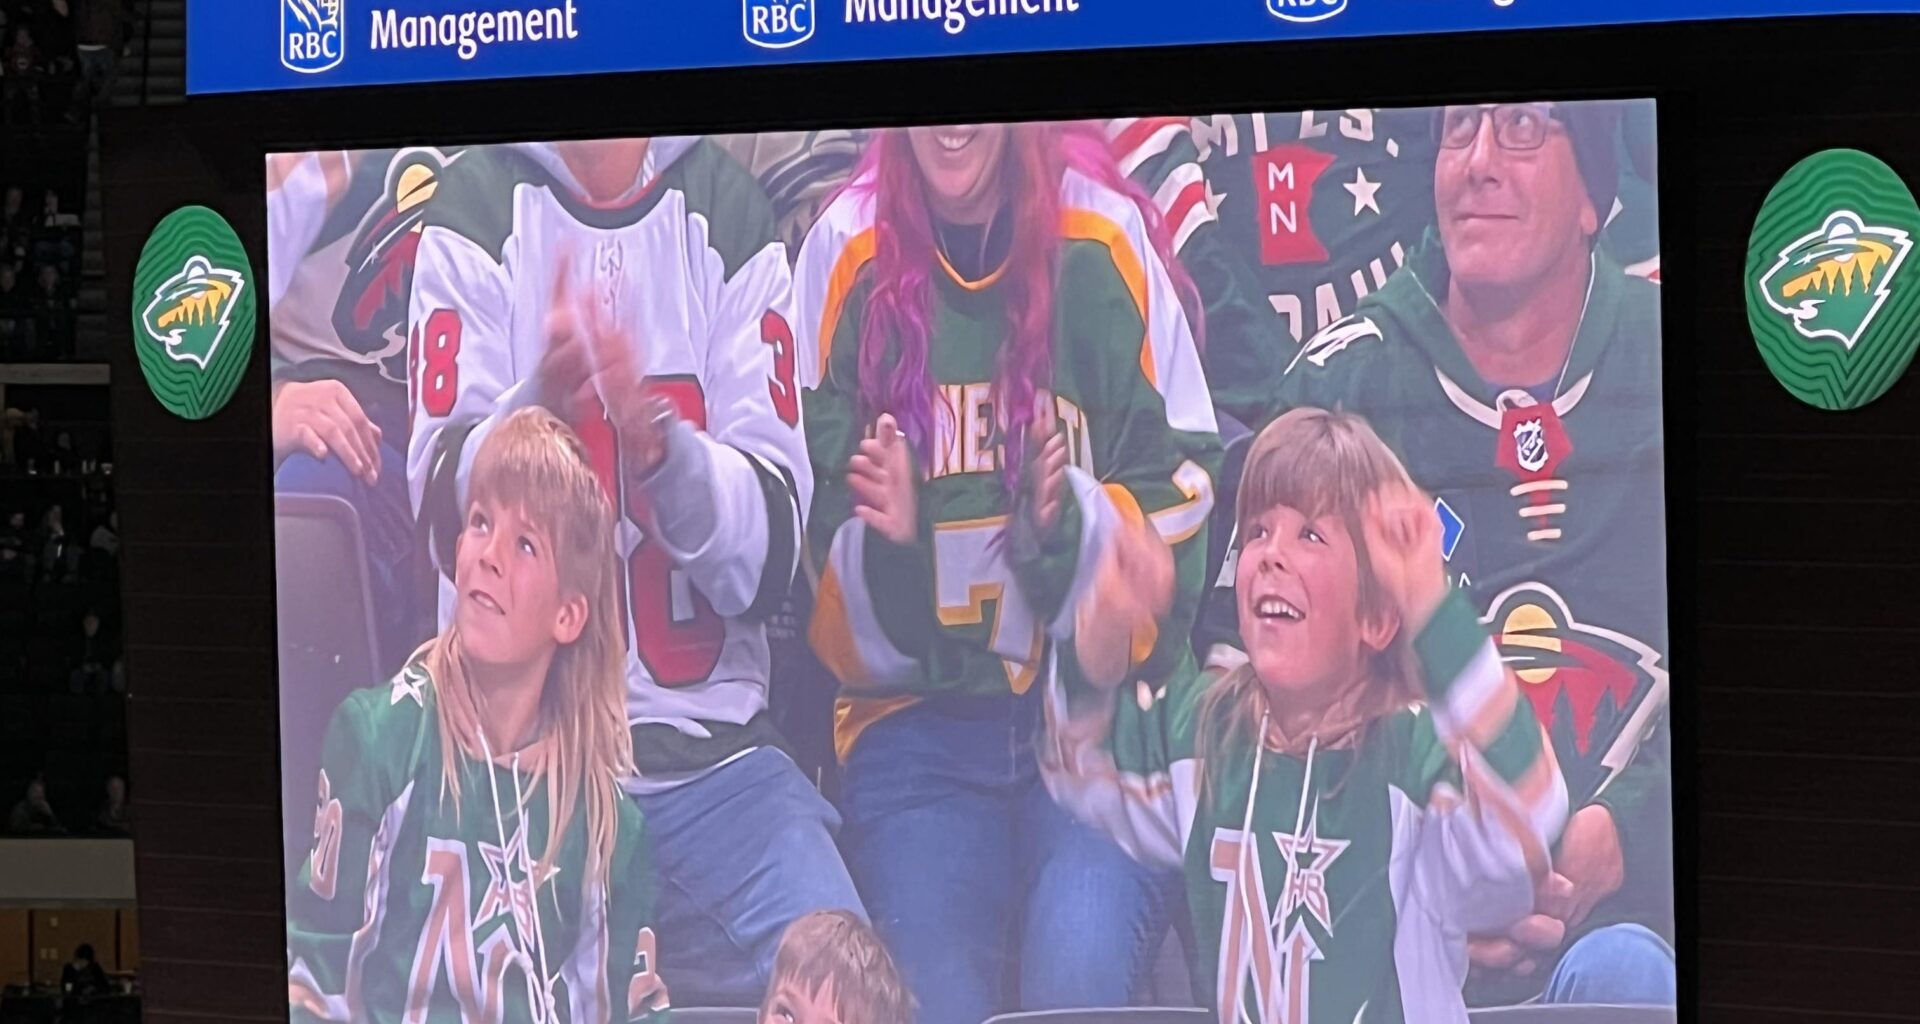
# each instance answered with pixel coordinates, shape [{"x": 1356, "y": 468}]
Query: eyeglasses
[{"x": 1516, "y": 126}]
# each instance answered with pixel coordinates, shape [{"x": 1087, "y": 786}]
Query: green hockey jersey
[
  {"x": 951, "y": 614},
  {"x": 1551, "y": 498},
  {"x": 1552, "y": 511},
  {"x": 409, "y": 908},
  {"x": 1339, "y": 886},
  {"x": 1285, "y": 222}
]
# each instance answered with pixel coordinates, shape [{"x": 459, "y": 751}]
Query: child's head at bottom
[
  {"x": 1316, "y": 622},
  {"x": 832, "y": 969}
]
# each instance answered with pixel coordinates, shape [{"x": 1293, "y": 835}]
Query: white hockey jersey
[{"x": 689, "y": 263}]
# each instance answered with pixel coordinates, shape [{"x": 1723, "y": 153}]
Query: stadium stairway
[{"x": 152, "y": 71}]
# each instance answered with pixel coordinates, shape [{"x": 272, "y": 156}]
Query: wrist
[{"x": 650, "y": 441}]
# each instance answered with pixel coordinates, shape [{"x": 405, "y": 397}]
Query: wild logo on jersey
[
  {"x": 190, "y": 312},
  {"x": 1832, "y": 281},
  {"x": 1267, "y": 948},
  {"x": 1594, "y": 689},
  {"x": 371, "y": 314}
]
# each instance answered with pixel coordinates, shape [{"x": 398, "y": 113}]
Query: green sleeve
[
  {"x": 1246, "y": 346},
  {"x": 903, "y": 573},
  {"x": 1156, "y": 726},
  {"x": 1122, "y": 761},
  {"x": 1465, "y": 684},
  {"x": 633, "y": 954},
  {"x": 1168, "y": 473},
  {"x": 1640, "y": 799},
  {"x": 327, "y": 902}
]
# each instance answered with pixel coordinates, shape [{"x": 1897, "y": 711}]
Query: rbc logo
[
  {"x": 1305, "y": 12},
  {"x": 776, "y": 24},
  {"x": 311, "y": 39}
]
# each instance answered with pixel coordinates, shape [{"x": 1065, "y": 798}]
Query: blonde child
[
  {"x": 1360, "y": 796},
  {"x": 473, "y": 856},
  {"x": 832, "y": 969}
]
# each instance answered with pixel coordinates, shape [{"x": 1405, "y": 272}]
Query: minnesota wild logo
[
  {"x": 193, "y": 311},
  {"x": 1832, "y": 281},
  {"x": 1833, "y": 312}
]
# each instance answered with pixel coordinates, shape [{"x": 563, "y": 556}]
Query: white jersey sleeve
[
  {"x": 462, "y": 376},
  {"x": 751, "y": 462},
  {"x": 840, "y": 243}
]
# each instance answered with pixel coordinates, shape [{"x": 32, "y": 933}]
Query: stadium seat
[
  {"x": 1544, "y": 1014},
  {"x": 327, "y": 639},
  {"x": 1111, "y": 1015},
  {"x": 715, "y": 1015}
]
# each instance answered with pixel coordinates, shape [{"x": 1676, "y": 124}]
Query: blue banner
[{"x": 246, "y": 45}]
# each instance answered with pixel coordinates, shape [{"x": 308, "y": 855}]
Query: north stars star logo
[
  {"x": 1831, "y": 282},
  {"x": 189, "y": 312},
  {"x": 1269, "y": 947}
]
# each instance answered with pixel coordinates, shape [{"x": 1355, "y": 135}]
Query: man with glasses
[{"x": 1515, "y": 367}]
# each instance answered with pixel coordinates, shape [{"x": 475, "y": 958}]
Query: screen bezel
[{"x": 218, "y": 143}]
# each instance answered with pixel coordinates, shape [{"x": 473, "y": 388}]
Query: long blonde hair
[
  {"x": 534, "y": 462},
  {"x": 1317, "y": 462}
]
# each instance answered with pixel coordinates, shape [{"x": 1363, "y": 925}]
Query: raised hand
[
  {"x": 1045, "y": 474},
  {"x": 565, "y": 374},
  {"x": 881, "y": 476},
  {"x": 1403, "y": 542},
  {"x": 594, "y": 362},
  {"x": 1132, "y": 590}
]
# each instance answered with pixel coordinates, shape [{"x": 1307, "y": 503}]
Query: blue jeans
[
  {"x": 988, "y": 895},
  {"x": 1619, "y": 965},
  {"x": 402, "y": 616},
  {"x": 737, "y": 855}
]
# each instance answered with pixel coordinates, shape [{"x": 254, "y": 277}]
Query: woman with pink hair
[{"x": 1004, "y": 381}]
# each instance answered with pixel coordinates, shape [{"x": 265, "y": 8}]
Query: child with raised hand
[
  {"x": 831, "y": 968},
  {"x": 1362, "y": 794},
  {"x": 473, "y": 855}
]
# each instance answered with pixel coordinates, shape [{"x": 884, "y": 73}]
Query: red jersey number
[
  {"x": 775, "y": 333},
  {"x": 436, "y": 349},
  {"x": 675, "y": 631}
]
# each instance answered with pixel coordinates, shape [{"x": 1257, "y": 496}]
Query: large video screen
[{"x": 923, "y": 574}]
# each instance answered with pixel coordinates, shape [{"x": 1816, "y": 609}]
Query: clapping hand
[{"x": 884, "y": 488}]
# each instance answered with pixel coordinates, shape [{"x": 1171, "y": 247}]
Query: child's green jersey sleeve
[
  {"x": 1487, "y": 800},
  {"x": 1122, "y": 760},
  {"x": 359, "y": 808},
  {"x": 633, "y": 953}
]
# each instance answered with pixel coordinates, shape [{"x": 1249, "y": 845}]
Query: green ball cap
[
  {"x": 193, "y": 311},
  {"x": 1833, "y": 292}
]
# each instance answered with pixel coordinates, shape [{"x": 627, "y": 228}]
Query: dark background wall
[{"x": 1795, "y": 550}]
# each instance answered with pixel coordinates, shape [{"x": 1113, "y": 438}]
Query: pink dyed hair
[{"x": 895, "y": 335}]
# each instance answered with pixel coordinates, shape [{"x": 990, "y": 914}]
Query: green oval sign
[
  {"x": 193, "y": 311},
  {"x": 1833, "y": 298}
]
